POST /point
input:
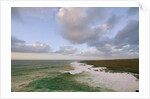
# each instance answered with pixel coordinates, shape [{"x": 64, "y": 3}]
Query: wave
[{"x": 98, "y": 77}]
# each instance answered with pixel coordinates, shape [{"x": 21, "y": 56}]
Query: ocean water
[{"x": 68, "y": 76}]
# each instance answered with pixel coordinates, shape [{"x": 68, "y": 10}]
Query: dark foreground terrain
[{"x": 124, "y": 65}]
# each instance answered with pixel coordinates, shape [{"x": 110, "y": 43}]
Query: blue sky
[{"x": 74, "y": 33}]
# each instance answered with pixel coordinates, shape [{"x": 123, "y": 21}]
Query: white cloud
[
  {"x": 21, "y": 46},
  {"x": 66, "y": 50},
  {"x": 116, "y": 50},
  {"x": 77, "y": 26},
  {"x": 92, "y": 52}
]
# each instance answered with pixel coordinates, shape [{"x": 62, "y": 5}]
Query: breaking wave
[{"x": 98, "y": 77}]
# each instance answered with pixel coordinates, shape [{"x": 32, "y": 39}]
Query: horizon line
[{"x": 76, "y": 59}]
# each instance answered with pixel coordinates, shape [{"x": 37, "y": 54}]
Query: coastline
[
  {"x": 116, "y": 65},
  {"x": 105, "y": 80}
]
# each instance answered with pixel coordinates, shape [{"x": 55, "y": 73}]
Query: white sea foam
[{"x": 97, "y": 77}]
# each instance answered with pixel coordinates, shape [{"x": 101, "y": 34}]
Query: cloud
[
  {"x": 15, "y": 13},
  {"x": 85, "y": 53},
  {"x": 113, "y": 21},
  {"x": 97, "y": 14},
  {"x": 76, "y": 23},
  {"x": 129, "y": 34},
  {"x": 110, "y": 33},
  {"x": 18, "y": 45},
  {"x": 20, "y": 13},
  {"x": 21, "y": 46},
  {"x": 133, "y": 10},
  {"x": 90, "y": 53},
  {"x": 125, "y": 42},
  {"x": 109, "y": 37},
  {"x": 66, "y": 50},
  {"x": 15, "y": 41}
]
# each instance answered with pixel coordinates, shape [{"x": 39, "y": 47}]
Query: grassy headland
[{"x": 118, "y": 65}]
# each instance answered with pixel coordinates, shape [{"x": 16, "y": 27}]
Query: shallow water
[
  {"x": 66, "y": 76},
  {"x": 24, "y": 72},
  {"x": 98, "y": 77}
]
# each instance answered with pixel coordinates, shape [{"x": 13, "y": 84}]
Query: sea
[{"x": 68, "y": 76}]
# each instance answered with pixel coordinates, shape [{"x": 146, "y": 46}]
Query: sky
[{"x": 74, "y": 33}]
